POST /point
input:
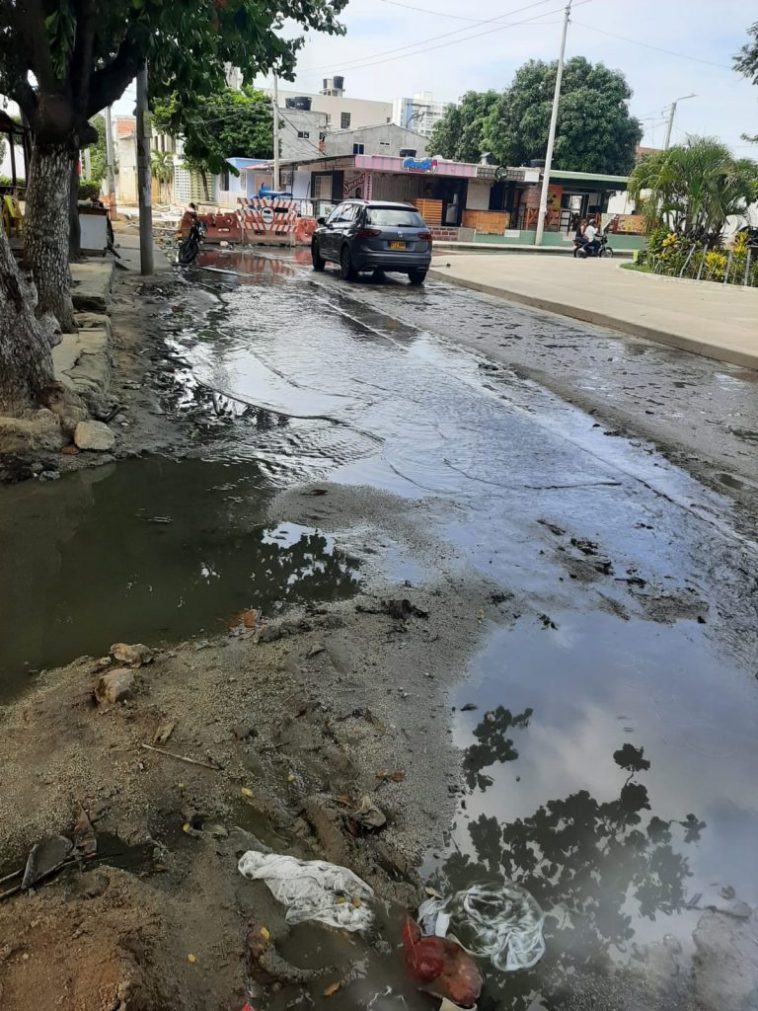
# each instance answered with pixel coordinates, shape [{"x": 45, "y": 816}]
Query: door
[
  {"x": 344, "y": 216},
  {"x": 328, "y": 235}
]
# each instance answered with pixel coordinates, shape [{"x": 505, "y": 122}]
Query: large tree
[
  {"x": 746, "y": 62},
  {"x": 216, "y": 127},
  {"x": 65, "y": 60},
  {"x": 458, "y": 135},
  {"x": 595, "y": 131}
]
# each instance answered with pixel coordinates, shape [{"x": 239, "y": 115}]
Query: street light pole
[
  {"x": 144, "y": 181},
  {"x": 551, "y": 134},
  {"x": 275, "y": 101},
  {"x": 672, "y": 113},
  {"x": 109, "y": 160}
]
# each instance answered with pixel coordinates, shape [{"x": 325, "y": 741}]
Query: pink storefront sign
[{"x": 424, "y": 166}]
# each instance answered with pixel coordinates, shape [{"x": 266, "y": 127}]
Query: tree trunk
[
  {"x": 46, "y": 230},
  {"x": 204, "y": 177},
  {"x": 26, "y": 367},
  {"x": 74, "y": 228}
]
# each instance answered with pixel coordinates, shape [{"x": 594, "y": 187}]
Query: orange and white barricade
[{"x": 268, "y": 220}]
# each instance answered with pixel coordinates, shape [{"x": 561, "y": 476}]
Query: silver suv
[{"x": 373, "y": 235}]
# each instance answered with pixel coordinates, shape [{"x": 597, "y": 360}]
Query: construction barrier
[
  {"x": 269, "y": 220},
  {"x": 258, "y": 221}
]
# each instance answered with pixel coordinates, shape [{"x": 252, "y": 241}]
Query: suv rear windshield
[{"x": 393, "y": 217}]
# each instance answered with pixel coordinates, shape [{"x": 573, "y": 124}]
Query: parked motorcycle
[
  {"x": 584, "y": 250},
  {"x": 190, "y": 247}
]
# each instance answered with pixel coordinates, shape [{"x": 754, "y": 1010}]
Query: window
[
  {"x": 344, "y": 120},
  {"x": 303, "y": 135},
  {"x": 394, "y": 217},
  {"x": 343, "y": 213},
  {"x": 225, "y": 179},
  {"x": 358, "y": 148}
]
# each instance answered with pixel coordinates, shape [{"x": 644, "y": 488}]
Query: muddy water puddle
[
  {"x": 609, "y": 773},
  {"x": 147, "y": 550},
  {"x": 609, "y": 762}
]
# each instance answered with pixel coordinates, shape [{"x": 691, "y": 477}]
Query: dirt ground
[{"x": 296, "y": 721}]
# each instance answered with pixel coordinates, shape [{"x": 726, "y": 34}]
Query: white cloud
[{"x": 725, "y": 106}]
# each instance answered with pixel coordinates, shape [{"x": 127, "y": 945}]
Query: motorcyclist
[
  {"x": 591, "y": 236},
  {"x": 579, "y": 239}
]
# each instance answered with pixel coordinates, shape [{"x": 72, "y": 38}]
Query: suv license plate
[{"x": 396, "y": 245}]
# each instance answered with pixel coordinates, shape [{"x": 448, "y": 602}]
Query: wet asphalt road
[
  {"x": 634, "y": 637},
  {"x": 603, "y": 485}
]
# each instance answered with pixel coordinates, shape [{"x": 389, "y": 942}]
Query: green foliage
[
  {"x": 162, "y": 166},
  {"x": 7, "y": 181},
  {"x": 458, "y": 135},
  {"x": 89, "y": 189},
  {"x": 98, "y": 152},
  {"x": 694, "y": 187},
  {"x": 220, "y": 126},
  {"x": 595, "y": 132},
  {"x": 746, "y": 61},
  {"x": 678, "y": 255},
  {"x": 188, "y": 44}
]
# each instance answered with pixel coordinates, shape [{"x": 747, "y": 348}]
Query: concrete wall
[
  {"x": 299, "y": 133},
  {"x": 388, "y": 140},
  {"x": 363, "y": 112}
]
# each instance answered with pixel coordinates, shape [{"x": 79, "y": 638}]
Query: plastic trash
[
  {"x": 442, "y": 965},
  {"x": 502, "y": 922},
  {"x": 312, "y": 889}
]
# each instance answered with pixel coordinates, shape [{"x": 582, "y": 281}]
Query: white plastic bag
[
  {"x": 312, "y": 889},
  {"x": 502, "y": 922}
]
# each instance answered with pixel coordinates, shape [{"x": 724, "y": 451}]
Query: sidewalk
[{"x": 703, "y": 317}]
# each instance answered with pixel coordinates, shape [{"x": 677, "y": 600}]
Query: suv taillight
[
  {"x": 369, "y": 233},
  {"x": 424, "y": 236}
]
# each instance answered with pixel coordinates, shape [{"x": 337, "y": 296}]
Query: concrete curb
[{"x": 734, "y": 356}]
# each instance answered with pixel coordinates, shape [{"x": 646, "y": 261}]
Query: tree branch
[
  {"x": 83, "y": 49},
  {"x": 29, "y": 19},
  {"x": 109, "y": 83}
]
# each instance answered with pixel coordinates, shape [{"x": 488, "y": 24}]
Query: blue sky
[{"x": 463, "y": 54}]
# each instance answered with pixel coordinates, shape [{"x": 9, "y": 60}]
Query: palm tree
[
  {"x": 694, "y": 187},
  {"x": 162, "y": 170}
]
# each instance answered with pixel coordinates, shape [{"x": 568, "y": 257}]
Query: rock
[
  {"x": 368, "y": 815},
  {"x": 94, "y": 435},
  {"x": 67, "y": 405},
  {"x": 40, "y": 430},
  {"x": 45, "y": 857},
  {"x": 115, "y": 686},
  {"x": 726, "y": 962},
  {"x": 135, "y": 655}
]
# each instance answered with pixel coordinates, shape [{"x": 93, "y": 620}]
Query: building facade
[
  {"x": 419, "y": 113},
  {"x": 387, "y": 139}
]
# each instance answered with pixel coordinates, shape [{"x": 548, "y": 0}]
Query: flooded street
[{"x": 607, "y": 715}]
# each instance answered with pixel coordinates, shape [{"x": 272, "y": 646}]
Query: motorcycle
[
  {"x": 190, "y": 247},
  {"x": 582, "y": 250}
]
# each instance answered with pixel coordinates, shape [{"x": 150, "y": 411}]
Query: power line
[
  {"x": 432, "y": 38},
  {"x": 658, "y": 49},
  {"x": 439, "y": 14},
  {"x": 443, "y": 45}
]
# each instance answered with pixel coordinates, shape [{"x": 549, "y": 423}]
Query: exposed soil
[{"x": 299, "y": 719}]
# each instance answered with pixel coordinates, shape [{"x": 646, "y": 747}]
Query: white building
[
  {"x": 386, "y": 139},
  {"x": 419, "y": 113},
  {"x": 342, "y": 113}
]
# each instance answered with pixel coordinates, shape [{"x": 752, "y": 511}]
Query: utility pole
[
  {"x": 672, "y": 113},
  {"x": 551, "y": 134},
  {"x": 275, "y": 101},
  {"x": 110, "y": 162},
  {"x": 144, "y": 180}
]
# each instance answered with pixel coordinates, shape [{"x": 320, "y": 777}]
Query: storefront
[{"x": 437, "y": 187}]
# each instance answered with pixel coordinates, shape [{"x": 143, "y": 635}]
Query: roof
[
  {"x": 379, "y": 203},
  {"x": 246, "y": 163},
  {"x": 589, "y": 177}
]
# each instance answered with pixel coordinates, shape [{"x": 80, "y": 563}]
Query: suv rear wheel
[
  {"x": 347, "y": 270},
  {"x": 417, "y": 276},
  {"x": 318, "y": 260}
]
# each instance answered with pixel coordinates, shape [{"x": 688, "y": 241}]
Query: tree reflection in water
[{"x": 593, "y": 865}]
